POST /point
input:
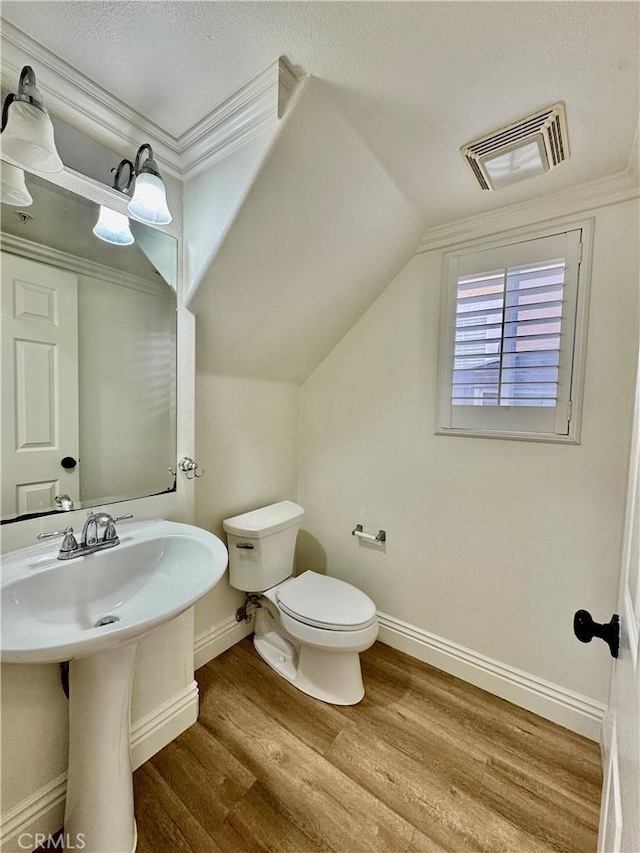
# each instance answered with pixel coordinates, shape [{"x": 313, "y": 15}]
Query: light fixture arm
[
  {"x": 132, "y": 173},
  {"x": 149, "y": 165},
  {"x": 27, "y": 89},
  {"x": 5, "y": 110}
]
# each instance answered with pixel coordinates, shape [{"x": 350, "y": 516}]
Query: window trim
[{"x": 443, "y": 404}]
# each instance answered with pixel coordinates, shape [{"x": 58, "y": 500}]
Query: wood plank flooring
[{"x": 424, "y": 763}]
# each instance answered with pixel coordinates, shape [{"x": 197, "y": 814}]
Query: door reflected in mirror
[{"x": 88, "y": 358}]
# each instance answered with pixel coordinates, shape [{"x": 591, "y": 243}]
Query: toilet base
[{"x": 332, "y": 677}]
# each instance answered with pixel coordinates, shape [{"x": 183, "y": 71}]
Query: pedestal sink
[{"x": 92, "y": 611}]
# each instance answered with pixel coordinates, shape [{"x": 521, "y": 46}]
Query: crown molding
[
  {"x": 599, "y": 193},
  {"x": 77, "y": 100},
  {"x": 252, "y": 109}
]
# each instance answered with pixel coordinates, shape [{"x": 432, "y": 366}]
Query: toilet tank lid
[{"x": 264, "y": 521}]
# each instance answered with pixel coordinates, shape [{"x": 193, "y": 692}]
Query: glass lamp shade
[
  {"x": 149, "y": 202},
  {"x": 28, "y": 138},
  {"x": 14, "y": 188},
  {"x": 113, "y": 227}
]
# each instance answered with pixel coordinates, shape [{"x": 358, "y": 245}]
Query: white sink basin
[{"x": 50, "y": 608}]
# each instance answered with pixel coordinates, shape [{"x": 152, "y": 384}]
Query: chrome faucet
[
  {"x": 64, "y": 503},
  {"x": 90, "y": 539}
]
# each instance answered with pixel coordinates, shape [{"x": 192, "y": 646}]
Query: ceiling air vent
[{"x": 528, "y": 147}]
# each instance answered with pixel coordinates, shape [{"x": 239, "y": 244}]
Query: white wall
[
  {"x": 211, "y": 201},
  {"x": 318, "y": 228},
  {"x": 492, "y": 544},
  {"x": 247, "y": 442},
  {"x": 246, "y": 429}
]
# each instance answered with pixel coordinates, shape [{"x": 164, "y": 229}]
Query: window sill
[{"x": 547, "y": 438}]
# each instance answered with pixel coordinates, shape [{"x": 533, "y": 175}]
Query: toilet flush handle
[{"x": 245, "y": 546}]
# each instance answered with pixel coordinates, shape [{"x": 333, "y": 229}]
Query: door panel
[
  {"x": 620, "y": 816},
  {"x": 33, "y": 497},
  {"x": 40, "y": 374},
  {"x": 35, "y": 392}
]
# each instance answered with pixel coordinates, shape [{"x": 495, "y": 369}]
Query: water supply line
[{"x": 252, "y": 602}]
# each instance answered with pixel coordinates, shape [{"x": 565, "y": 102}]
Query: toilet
[{"x": 310, "y": 629}]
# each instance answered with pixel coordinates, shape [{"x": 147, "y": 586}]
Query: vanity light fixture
[
  {"x": 13, "y": 186},
  {"x": 149, "y": 202},
  {"x": 530, "y": 146},
  {"x": 27, "y": 132},
  {"x": 113, "y": 227}
]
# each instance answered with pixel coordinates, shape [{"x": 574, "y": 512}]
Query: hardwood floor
[{"x": 424, "y": 763}]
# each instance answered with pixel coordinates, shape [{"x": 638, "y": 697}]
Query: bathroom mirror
[{"x": 88, "y": 382}]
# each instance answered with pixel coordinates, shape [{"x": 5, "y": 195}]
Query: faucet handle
[
  {"x": 106, "y": 518},
  {"x": 69, "y": 543},
  {"x": 110, "y": 531},
  {"x": 55, "y": 533}
]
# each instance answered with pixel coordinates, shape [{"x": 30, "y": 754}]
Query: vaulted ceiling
[{"x": 416, "y": 79}]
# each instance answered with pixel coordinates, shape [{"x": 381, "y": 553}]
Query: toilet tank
[{"x": 261, "y": 545}]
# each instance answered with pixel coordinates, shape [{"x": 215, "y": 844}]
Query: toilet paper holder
[{"x": 379, "y": 538}]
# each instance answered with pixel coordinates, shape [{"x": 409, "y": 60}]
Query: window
[{"x": 513, "y": 337}]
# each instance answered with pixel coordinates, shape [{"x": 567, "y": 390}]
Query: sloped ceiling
[
  {"x": 416, "y": 79},
  {"x": 322, "y": 230}
]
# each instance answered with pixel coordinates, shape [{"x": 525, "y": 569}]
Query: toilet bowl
[
  {"x": 311, "y": 628},
  {"x": 306, "y": 633}
]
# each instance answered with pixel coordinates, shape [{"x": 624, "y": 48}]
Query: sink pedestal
[
  {"x": 91, "y": 611},
  {"x": 99, "y": 807}
]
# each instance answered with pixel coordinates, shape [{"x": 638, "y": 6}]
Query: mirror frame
[{"x": 100, "y": 194}]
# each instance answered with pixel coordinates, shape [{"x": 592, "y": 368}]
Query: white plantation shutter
[{"x": 509, "y": 338}]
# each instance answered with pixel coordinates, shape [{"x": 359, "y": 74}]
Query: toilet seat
[{"x": 325, "y": 602}]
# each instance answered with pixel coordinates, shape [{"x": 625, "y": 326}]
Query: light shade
[
  {"x": 149, "y": 202},
  {"x": 28, "y": 138},
  {"x": 113, "y": 227},
  {"x": 14, "y": 188}
]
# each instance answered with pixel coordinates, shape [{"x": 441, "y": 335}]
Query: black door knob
[
  {"x": 586, "y": 629},
  {"x": 68, "y": 463}
]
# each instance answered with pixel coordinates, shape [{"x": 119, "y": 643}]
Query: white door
[
  {"x": 39, "y": 385},
  {"x": 620, "y": 814}
]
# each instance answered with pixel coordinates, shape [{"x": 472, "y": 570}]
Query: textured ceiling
[{"x": 416, "y": 79}]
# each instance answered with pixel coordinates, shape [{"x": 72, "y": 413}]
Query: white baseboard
[
  {"x": 218, "y": 639},
  {"x": 43, "y": 811},
  {"x": 572, "y": 710},
  {"x": 154, "y": 731}
]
